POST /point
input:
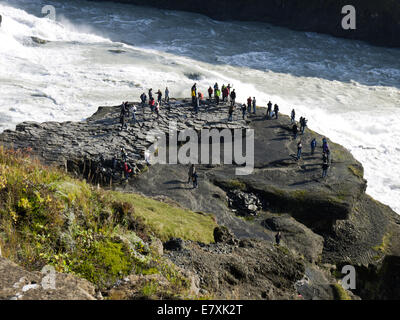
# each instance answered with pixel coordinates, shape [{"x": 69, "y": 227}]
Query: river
[{"x": 106, "y": 53}]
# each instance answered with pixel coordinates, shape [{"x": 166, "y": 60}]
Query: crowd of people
[{"x": 228, "y": 96}]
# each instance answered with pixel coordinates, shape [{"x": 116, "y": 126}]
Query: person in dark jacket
[
  {"x": 233, "y": 97},
  {"x": 325, "y": 167},
  {"x": 313, "y": 145},
  {"x": 159, "y": 96},
  {"x": 276, "y": 110},
  {"x": 192, "y": 170},
  {"x": 230, "y": 111},
  {"x": 295, "y": 130},
  {"x": 194, "y": 178},
  {"x": 143, "y": 98},
  {"x": 122, "y": 120},
  {"x": 244, "y": 111},
  {"x": 325, "y": 145},
  {"x": 293, "y": 116},
  {"x": 303, "y": 124},
  {"x": 269, "y": 110},
  {"x": 210, "y": 92}
]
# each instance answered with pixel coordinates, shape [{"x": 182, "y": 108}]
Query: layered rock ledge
[{"x": 325, "y": 221}]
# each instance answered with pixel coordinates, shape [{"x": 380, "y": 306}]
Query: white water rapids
[{"x": 349, "y": 90}]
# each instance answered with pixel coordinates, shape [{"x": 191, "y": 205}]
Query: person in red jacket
[
  {"x": 249, "y": 101},
  {"x": 226, "y": 93},
  {"x": 127, "y": 170},
  {"x": 152, "y": 104},
  {"x": 210, "y": 92}
]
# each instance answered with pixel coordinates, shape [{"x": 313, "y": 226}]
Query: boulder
[
  {"x": 174, "y": 244},
  {"x": 16, "y": 283},
  {"x": 224, "y": 235}
]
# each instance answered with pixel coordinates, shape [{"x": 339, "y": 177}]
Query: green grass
[
  {"x": 234, "y": 184},
  {"x": 340, "y": 293},
  {"x": 48, "y": 217},
  {"x": 167, "y": 221}
]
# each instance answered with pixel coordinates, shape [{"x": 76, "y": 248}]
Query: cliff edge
[{"x": 326, "y": 223}]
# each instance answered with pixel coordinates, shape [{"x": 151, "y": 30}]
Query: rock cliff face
[
  {"x": 378, "y": 22},
  {"x": 326, "y": 223}
]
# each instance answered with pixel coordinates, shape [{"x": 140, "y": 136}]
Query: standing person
[
  {"x": 127, "y": 170},
  {"x": 243, "y": 111},
  {"x": 230, "y": 113},
  {"x": 225, "y": 94},
  {"x": 159, "y": 96},
  {"x": 122, "y": 120},
  {"x": 299, "y": 147},
  {"x": 325, "y": 167},
  {"x": 254, "y": 105},
  {"x": 150, "y": 93},
  {"x": 303, "y": 123},
  {"x": 233, "y": 97},
  {"x": 295, "y": 131},
  {"x": 293, "y": 116},
  {"x": 201, "y": 98},
  {"x": 276, "y": 110},
  {"x": 166, "y": 95},
  {"x": 278, "y": 237},
  {"x": 210, "y": 92},
  {"x": 313, "y": 145},
  {"x": 324, "y": 144},
  {"x": 215, "y": 90},
  {"x": 122, "y": 110},
  {"x": 194, "y": 178},
  {"x": 269, "y": 110},
  {"x": 152, "y": 104},
  {"x": 328, "y": 155},
  {"x": 194, "y": 94},
  {"x": 324, "y": 157},
  {"x": 143, "y": 99},
  {"x": 217, "y": 96},
  {"x": 249, "y": 101},
  {"x": 192, "y": 170}
]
